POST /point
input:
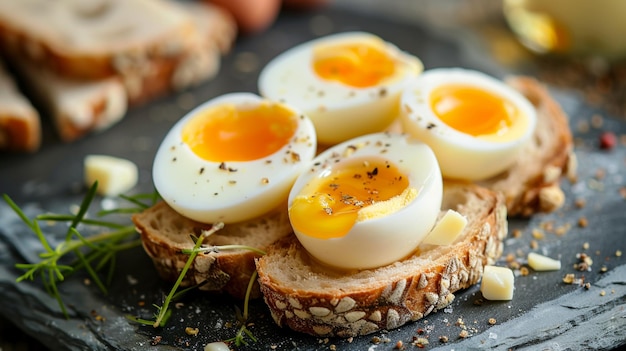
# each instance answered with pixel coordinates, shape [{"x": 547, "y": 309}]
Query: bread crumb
[
  {"x": 551, "y": 198},
  {"x": 443, "y": 339},
  {"x": 492, "y": 321},
  {"x": 192, "y": 331},
  {"x": 524, "y": 271},
  {"x": 534, "y": 245},
  {"x": 517, "y": 233},
  {"x": 586, "y": 246},
  {"x": 569, "y": 278},
  {"x": 600, "y": 174},
  {"x": 602, "y": 292},
  {"x": 332, "y": 347},
  {"x": 399, "y": 345},
  {"x": 618, "y": 253},
  {"x": 463, "y": 334},
  {"x": 597, "y": 121},
  {"x": 622, "y": 192},
  {"x": 580, "y": 203},
  {"x": 582, "y": 222},
  {"x": 538, "y": 234}
]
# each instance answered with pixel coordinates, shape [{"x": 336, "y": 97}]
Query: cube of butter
[
  {"x": 447, "y": 229},
  {"x": 542, "y": 263},
  {"x": 497, "y": 283},
  {"x": 114, "y": 175}
]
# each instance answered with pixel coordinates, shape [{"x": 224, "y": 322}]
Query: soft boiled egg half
[
  {"x": 349, "y": 84},
  {"x": 233, "y": 158},
  {"x": 367, "y": 202},
  {"x": 475, "y": 124}
]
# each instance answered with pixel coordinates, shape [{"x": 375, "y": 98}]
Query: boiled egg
[
  {"x": 475, "y": 124},
  {"x": 233, "y": 158},
  {"x": 366, "y": 202},
  {"x": 349, "y": 84}
]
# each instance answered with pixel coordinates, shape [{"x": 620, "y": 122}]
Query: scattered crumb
[
  {"x": 582, "y": 222},
  {"x": 376, "y": 340},
  {"x": 492, "y": 321},
  {"x": 399, "y": 345},
  {"x": 443, "y": 338},
  {"x": 585, "y": 246},
  {"x": 538, "y": 234},
  {"x": 192, "y": 331},
  {"x": 517, "y": 233},
  {"x": 569, "y": 278},
  {"x": 600, "y": 174},
  {"x": 618, "y": 253},
  {"x": 603, "y": 269},
  {"x": 587, "y": 286},
  {"x": 421, "y": 342},
  {"x": 580, "y": 203},
  {"x": 534, "y": 245},
  {"x": 597, "y": 121},
  {"x": 156, "y": 340},
  {"x": 524, "y": 271},
  {"x": 463, "y": 334},
  {"x": 622, "y": 192},
  {"x": 602, "y": 292},
  {"x": 332, "y": 347}
]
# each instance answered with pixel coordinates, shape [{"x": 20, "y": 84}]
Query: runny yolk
[
  {"x": 227, "y": 133},
  {"x": 473, "y": 110},
  {"x": 329, "y": 207},
  {"x": 358, "y": 65}
]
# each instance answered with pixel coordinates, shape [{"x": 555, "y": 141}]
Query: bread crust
[
  {"x": 417, "y": 288},
  {"x": 532, "y": 184},
  {"x": 20, "y": 127},
  {"x": 164, "y": 233}
]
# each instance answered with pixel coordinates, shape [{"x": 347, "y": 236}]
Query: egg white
[
  {"x": 338, "y": 111},
  {"x": 385, "y": 239},
  {"x": 229, "y": 191},
  {"x": 461, "y": 155}
]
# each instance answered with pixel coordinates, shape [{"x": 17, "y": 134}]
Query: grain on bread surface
[
  {"x": 531, "y": 185},
  {"x": 311, "y": 298},
  {"x": 164, "y": 233}
]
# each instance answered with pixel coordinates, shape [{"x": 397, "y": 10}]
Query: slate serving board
[{"x": 544, "y": 314}]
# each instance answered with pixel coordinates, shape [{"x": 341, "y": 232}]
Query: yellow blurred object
[{"x": 578, "y": 27}]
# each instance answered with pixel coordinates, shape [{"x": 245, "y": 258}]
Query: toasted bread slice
[
  {"x": 532, "y": 184},
  {"x": 77, "y": 107},
  {"x": 311, "y": 298},
  {"x": 93, "y": 39},
  {"x": 165, "y": 233},
  {"x": 213, "y": 35},
  {"x": 20, "y": 127}
]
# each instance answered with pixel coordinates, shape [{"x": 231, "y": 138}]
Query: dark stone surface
[{"x": 545, "y": 313}]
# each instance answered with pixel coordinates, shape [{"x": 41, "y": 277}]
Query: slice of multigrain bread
[
  {"x": 308, "y": 297},
  {"x": 93, "y": 39},
  {"x": 165, "y": 233},
  {"x": 532, "y": 184},
  {"x": 20, "y": 127}
]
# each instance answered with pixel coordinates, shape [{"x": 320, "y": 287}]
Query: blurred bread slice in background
[
  {"x": 76, "y": 107},
  {"x": 20, "y": 127},
  {"x": 86, "y": 61}
]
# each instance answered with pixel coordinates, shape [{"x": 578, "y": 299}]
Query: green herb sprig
[
  {"x": 163, "y": 312},
  {"x": 90, "y": 253}
]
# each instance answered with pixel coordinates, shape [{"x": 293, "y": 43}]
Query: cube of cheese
[
  {"x": 447, "y": 229},
  {"x": 497, "y": 283},
  {"x": 114, "y": 175}
]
